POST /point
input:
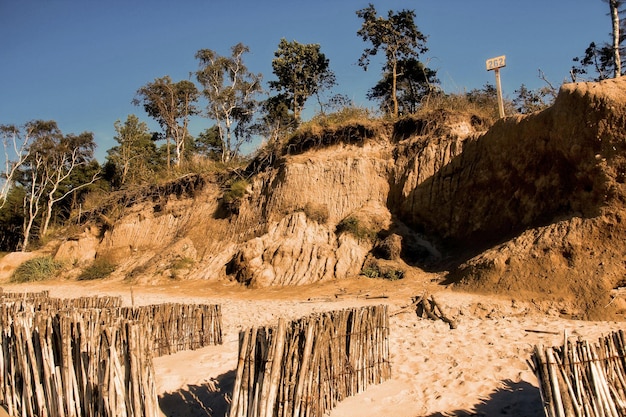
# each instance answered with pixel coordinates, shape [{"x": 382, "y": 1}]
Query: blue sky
[{"x": 80, "y": 62}]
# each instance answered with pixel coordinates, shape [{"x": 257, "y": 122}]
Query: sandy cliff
[{"x": 533, "y": 205}]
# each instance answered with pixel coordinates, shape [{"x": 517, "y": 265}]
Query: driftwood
[{"x": 426, "y": 307}]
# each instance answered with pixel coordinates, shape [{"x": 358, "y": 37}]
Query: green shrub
[
  {"x": 353, "y": 226},
  {"x": 370, "y": 272},
  {"x": 236, "y": 190},
  {"x": 36, "y": 269},
  {"x": 99, "y": 269},
  {"x": 373, "y": 270}
]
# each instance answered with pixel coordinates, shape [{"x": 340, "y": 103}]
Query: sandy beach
[{"x": 477, "y": 369}]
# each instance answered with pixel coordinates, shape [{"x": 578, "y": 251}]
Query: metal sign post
[{"x": 495, "y": 64}]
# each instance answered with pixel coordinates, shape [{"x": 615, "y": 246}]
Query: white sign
[{"x": 497, "y": 62}]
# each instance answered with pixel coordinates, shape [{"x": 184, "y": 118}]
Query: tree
[
  {"x": 302, "y": 71},
  {"x": 12, "y": 220},
  {"x": 231, "y": 91},
  {"x": 397, "y": 36},
  {"x": 16, "y": 142},
  {"x": 605, "y": 59},
  {"x": 276, "y": 118},
  {"x": 46, "y": 174},
  {"x": 134, "y": 156},
  {"x": 529, "y": 101},
  {"x": 171, "y": 105},
  {"x": 414, "y": 81},
  {"x": 210, "y": 144},
  {"x": 614, "y": 6}
]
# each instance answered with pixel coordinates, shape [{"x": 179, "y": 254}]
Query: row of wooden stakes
[
  {"x": 581, "y": 378},
  {"x": 92, "y": 361},
  {"x": 305, "y": 367},
  {"x": 170, "y": 327}
]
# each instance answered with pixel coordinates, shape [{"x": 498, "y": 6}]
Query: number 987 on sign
[{"x": 497, "y": 62}]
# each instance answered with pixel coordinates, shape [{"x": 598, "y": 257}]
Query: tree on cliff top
[
  {"x": 397, "y": 36},
  {"x": 170, "y": 104},
  {"x": 134, "y": 157},
  {"x": 605, "y": 60},
  {"x": 231, "y": 91},
  {"x": 302, "y": 71},
  {"x": 50, "y": 172}
]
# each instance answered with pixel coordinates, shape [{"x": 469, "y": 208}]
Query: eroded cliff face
[
  {"x": 548, "y": 190},
  {"x": 533, "y": 204}
]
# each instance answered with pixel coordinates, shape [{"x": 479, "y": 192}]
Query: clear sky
[{"x": 80, "y": 62}]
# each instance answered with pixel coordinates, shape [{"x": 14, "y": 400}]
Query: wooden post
[
  {"x": 499, "y": 89},
  {"x": 495, "y": 64}
]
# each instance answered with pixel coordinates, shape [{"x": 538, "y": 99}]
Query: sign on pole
[{"x": 495, "y": 64}]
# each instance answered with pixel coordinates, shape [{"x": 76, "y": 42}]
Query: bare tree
[{"x": 12, "y": 141}]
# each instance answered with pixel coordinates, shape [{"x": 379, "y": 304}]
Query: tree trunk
[
  {"x": 46, "y": 222},
  {"x": 394, "y": 85},
  {"x": 168, "y": 155},
  {"x": 615, "y": 18}
]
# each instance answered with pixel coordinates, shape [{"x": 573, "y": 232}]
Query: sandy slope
[{"x": 478, "y": 368}]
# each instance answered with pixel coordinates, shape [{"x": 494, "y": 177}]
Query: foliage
[
  {"x": 57, "y": 166},
  {"x": 99, "y": 269},
  {"x": 231, "y": 91},
  {"x": 236, "y": 190},
  {"x": 438, "y": 106},
  {"x": 345, "y": 115},
  {"x": 413, "y": 83},
  {"x": 302, "y": 71},
  {"x": 602, "y": 61},
  {"x": 355, "y": 227},
  {"x": 373, "y": 270},
  {"x": 400, "y": 40},
  {"x": 36, "y": 269},
  {"x": 276, "y": 120},
  {"x": 529, "y": 101},
  {"x": 15, "y": 142},
  {"x": 134, "y": 159},
  {"x": 210, "y": 144},
  {"x": 12, "y": 220},
  {"x": 182, "y": 263},
  {"x": 170, "y": 104},
  {"x": 597, "y": 60}
]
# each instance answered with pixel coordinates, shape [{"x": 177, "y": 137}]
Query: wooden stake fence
[
  {"x": 304, "y": 368},
  {"x": 177, "y": 327},
  {"x": 583, "y": 379},
  {"x": 170, "y": 327},
  {"x": 72, "y": 365},
  {"x": 62, "y": 359}
]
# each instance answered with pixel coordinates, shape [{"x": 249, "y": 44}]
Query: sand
[{"x": 478, "y": 369}]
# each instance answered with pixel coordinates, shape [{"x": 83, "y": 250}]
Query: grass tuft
[{"x": 36, "y": 269}]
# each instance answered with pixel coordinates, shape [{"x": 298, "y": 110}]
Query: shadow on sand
[
  {"x": 519, "y": 399},
  {"x": 207, "y": 400}
]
